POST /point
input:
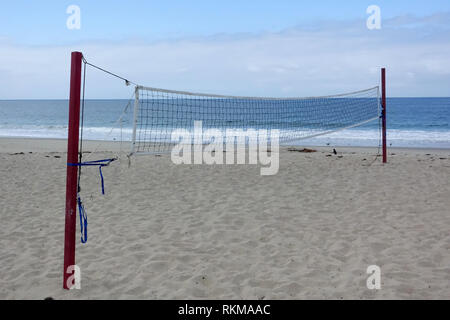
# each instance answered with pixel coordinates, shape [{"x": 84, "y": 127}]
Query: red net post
[{"x": 72, "y": 171}]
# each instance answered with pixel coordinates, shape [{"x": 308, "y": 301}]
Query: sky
[{"x": 257, "y": 48}]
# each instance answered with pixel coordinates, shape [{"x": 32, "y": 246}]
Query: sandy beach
[{"x": 164, "y": 231}]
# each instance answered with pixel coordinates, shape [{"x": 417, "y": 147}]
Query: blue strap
[
  {"x": 103, "y": 163},
  {"x": 101, "y": 177},
  {"x": 83, "y": 214},
  {"x": 99, "y": 163},
  {"x": 83, "y": 221}
]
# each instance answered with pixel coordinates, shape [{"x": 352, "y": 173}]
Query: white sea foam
[
  {"x": 396, "y": 138},
  {"x": 60, "y": 132},
  {"x": 351, "y": 137}
]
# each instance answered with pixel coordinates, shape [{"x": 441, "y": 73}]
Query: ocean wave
[
  {"x": 350, "y": 137},
  {"x": 60, "y": 132}
]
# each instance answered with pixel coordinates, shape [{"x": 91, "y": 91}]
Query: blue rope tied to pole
[
  {"x": 99, "y": 163},
  {"x": 83, "y": 214},
  {"x": 83, "y": 221}
]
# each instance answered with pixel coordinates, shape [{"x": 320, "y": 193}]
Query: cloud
[
  {"x": 441, "y": 19},
  {"x": 320, "y": 59}
]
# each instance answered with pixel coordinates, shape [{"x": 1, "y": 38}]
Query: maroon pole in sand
[
  {"x": 72, "y": 171},
  {"x": 383, "y": 106}
]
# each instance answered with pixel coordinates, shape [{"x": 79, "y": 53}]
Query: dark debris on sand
[{"x": 304, "y": 150}]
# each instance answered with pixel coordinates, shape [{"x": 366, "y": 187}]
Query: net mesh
[{"x": 159, "y": 112}]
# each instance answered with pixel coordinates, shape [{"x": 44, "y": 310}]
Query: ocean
[{"x": 412, "y": 122}]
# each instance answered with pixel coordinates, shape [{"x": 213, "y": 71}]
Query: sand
[{"x": 225, "y": 232}]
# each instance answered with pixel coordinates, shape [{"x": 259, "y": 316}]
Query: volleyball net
[{"x": 159, "y": 112}]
